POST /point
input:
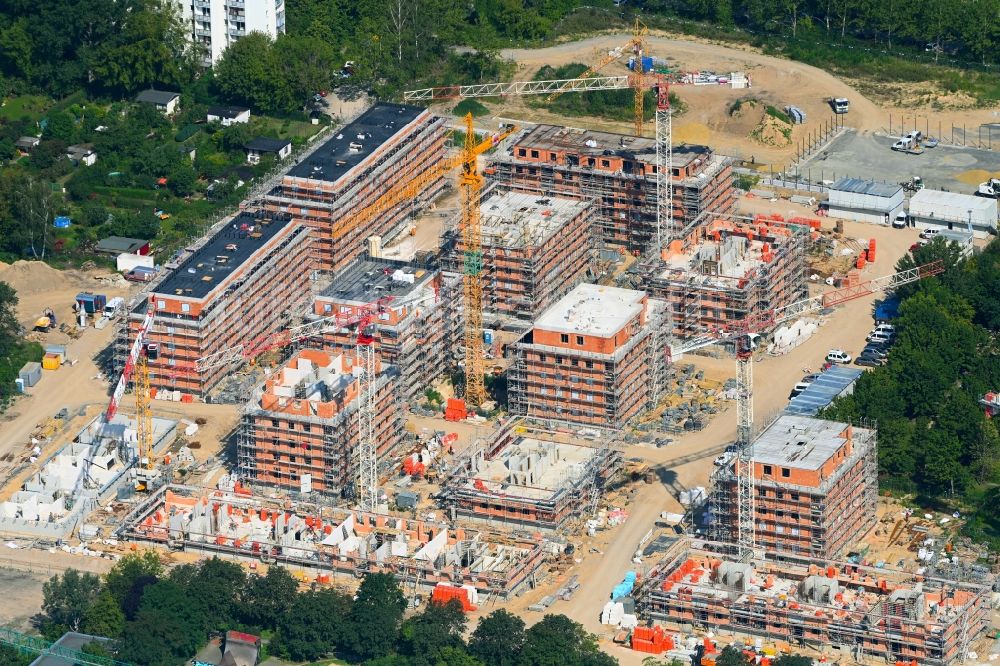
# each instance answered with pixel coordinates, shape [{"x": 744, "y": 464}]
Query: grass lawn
[
  {"x": 32, "y": 106},
  {"x": 286, "y": 129}
]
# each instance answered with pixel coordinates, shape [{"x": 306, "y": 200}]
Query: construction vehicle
[
  {"x": 990, "y": 189},
  {"x": 909, "y": 145},
  {"x": 914, "y": 184},
  {"x": 745, "y": 336},
  {"x": 46, "y": 322},
  {"x": 839, "y": 104}
]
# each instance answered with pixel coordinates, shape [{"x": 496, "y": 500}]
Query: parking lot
[{"x": 870, "y": 157}]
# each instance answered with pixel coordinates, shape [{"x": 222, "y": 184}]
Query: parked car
[
  {"x": 884, "y": 328},
  {"x": 900, "y": 221},
  {"x": 799, "y": 388},
  {"x": 879, "y": 337},
  {"x": 869, "y": 361},
  {"x": 809, "y": 379},
  {"x": 927, "y": 234},
  {"x": 878, "y": 352},
  {"x": 723, "y": 459},
  {"x": 838, "y": 356}
]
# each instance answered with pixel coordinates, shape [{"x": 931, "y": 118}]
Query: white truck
[
  {"x": 989, "y": 189},
  {"x": 840, "y": 104}
]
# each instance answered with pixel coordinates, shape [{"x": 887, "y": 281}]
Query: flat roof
[
  {"x": 870, "y": 187},
  {"x": 592, "y": 309},
  {"x": 799, "y": 442},
  {"x": 596, "y": 143},
  {"x": 232, "y": 242},
  {"x": 830, "y": 383},
  {"x": 957, "y": 200},
  {"x": 372, "y": 129},
  {"x": 226, "y": 111},
  {"x": 514, "y": 219},
  {"x": 367, "y": 280},
  {"x": 71, "y": 640}
]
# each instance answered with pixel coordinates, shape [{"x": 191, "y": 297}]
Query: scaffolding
[
  {"x": 519, "y": 503},
  {"x": 834, "y": 513},
  {"x": 620, "y": 385},
  {"x": 873, "y": 612}
]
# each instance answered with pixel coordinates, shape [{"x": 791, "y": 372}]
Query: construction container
[
  {"x": 30, "y": 374},
  {"x": 407, "y": 500},
  {"x": 51, "y": 362},
  {"x": 92, "y": 303},
  {"x": 455, "y": 410},
  {"x": 443, "y": 593},
  {"x": 58, "y": 350}
]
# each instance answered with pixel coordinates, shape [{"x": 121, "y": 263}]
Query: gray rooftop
[
  {"x": 516, "y": 220},
  {"x": 831, "y": 383},
  {"x": 367, "y": 280},
  {"x": 226, "y": 111},
  {"x": 71, "y": 640},
  {"x": 592, "y": 309},
  {"x": 870, "y": 187},
  {"x": 120, "y": 244},
  {"x": 596, "y": 143},
  {"x": 798, "y": 442},
  {"x": 156, "y": 96},
  {"x": 216, "y": 260},
  {"x": 372, "y": 129},
  {"x": 263, "y": 144}
]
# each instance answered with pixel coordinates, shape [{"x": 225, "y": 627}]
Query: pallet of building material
[
  {"x": 542, "y": 604},
  {"x": 802, "y": 200},
  {"x": 764, "y": 194}
]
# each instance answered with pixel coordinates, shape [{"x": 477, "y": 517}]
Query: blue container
[
  {"x": 61, "y": 222},
  {"x": 488, "y": 337}
]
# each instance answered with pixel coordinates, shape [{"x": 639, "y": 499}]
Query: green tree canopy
[
  {"x": 376, "y": 615},
  {"x": 66, "y": 599},
  {"x": 498, "y": 639},
  {"x": 314, "y": 626},
  {"x": 559, "y": 641}
]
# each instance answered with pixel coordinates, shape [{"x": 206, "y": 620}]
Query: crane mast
[{"x": 472, "y": 270}]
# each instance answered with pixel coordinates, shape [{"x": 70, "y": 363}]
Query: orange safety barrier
[
  {"x": 455, "y": 410},
  {"x": 651, "y": 640},
  {"x": 444, "y": 593}
]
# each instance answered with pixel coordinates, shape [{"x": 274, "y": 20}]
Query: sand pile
[
  {"x": 33, "y": 277},
  {"x": 772, "y": 132}
]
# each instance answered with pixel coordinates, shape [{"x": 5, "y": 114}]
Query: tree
[
  {"x": 66, "y": 599},
  {"x": 266, "y": 600},
  {"x": 10, "y": 656},
  {"x": 306, "y": 65},
  {"x": 60, "y": 126},
  {"x": 437, "y": 628},
  {"x": 122, "y": 577},
  {"x": 169, "y": 626},
  {"x": 314, "y": 626},
  {"x": 375, "y": 616},
  {"x": 182, "y": 179},
  {"x": 498, "y": 639},
  {"x": 249, "y": 71},
  {"x": 214, "y": 584},
  {"x": 732, "y": 656},
  {"x": 104, "y": 617},
  {"x": 559, "y": 641}
]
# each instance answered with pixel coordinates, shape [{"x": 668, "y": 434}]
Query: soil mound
[{"x": 33, "y": 277}]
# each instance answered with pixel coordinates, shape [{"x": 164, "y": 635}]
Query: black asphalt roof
[
  {"x": 156, "y": 96},
  {"x": 226, "y": 111},
  {"x": 355, "y": 142},
  {"x": 189, "y": 278},
  {"x": 264, "y": 144}
]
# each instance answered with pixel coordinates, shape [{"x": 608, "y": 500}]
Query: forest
[
  {"x": 934, "y": 440},
  {"x": 161, "y": 617}
]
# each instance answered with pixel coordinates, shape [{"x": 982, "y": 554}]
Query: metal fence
[{"x": 985, "y": 136}]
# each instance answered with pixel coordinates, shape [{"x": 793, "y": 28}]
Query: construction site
[
  {"x": 862, "y": 612},
  {"x": 816, "y": 487},
  {"x": 516, "y": 480},
  {"x": 338, "y": 191},
  {"x": 535, "y": 249},
  {"x": 300, "y": 430},
  {"x": 333, "y": 541},
  {"x": 211, "y": 302},
  {"x": 597, "y": 357},
  {"x": 728, "y": 270},
  {"x": 619, "y": 174},
  {"x": 419, "y": 326}
]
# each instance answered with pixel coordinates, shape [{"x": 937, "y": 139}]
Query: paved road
[{"x": 870, "y": 156}]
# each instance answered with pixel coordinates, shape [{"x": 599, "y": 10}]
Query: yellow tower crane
[{"x": 470, "y": 183}]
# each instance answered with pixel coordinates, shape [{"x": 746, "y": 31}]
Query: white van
[
  {"x": 916, "y": 136},
  {"x": 900, "y": 221},
  {"x": 880, "y": 338},
  {"x": 114, "y": 306},
  {"x": 906, "y": 143},
  {"x": 885, "y": 328}
]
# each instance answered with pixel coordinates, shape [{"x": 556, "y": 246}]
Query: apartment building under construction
[
  {"x": 420, "y": 554},
  {"x": 528, "y": 479},
  {"x": 351, "y": 171},
  {"x": 726, "y": 270},
  {"x": 300, "y": 432},
  {"x": 872, "y": 613},
  {"x": 596, "y": 357},
  {"x": 618, "y": 173},
  {"x": 419, "y": 324},
  {"x": 245, "y": 281},
  {"x": 816, "y": 486},
  {"x": 535, "y": 249}
]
